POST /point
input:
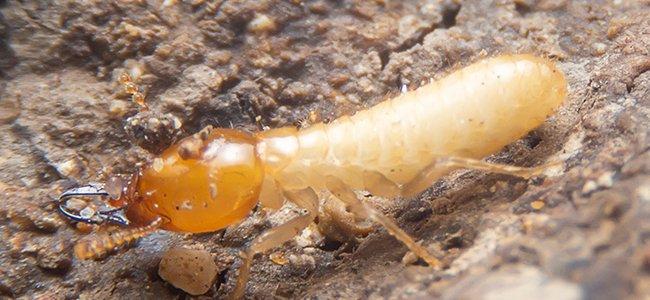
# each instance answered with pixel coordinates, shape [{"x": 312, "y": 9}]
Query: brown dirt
[{"x": 64, "y": 120}]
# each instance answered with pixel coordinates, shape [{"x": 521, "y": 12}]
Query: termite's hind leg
[
  {"x": 443, "y": 165},
  {"x": 96, "y": 246},
  {"x": 344, "y": 193},
  {"x": 307, "y": 199}
]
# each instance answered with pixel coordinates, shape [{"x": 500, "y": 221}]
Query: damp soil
[{"x": 581, "y": 232}]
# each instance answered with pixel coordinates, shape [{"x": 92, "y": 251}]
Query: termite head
[{"x": 203, "y": 183}]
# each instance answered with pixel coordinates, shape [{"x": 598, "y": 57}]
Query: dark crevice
[
  {"x": 522, "y": 8},
  {"x": 289, "y": 68},
  {"x": 248, "y": 108},
  {"x": 330, "y": 245},
  {"x": 637, "y": 71},
  {"x": 455, "y": 242},
  {"x": 384, "y": 57},
  {"x": 229, "y": 84},
  {"x": 532, "y": 139},
  {"x": 417, "y": 39},
  {"x": 4, "y": 289},
  {"x": 344, "y": 248},
  {"x": 449, "y": 13},
  {"x": 222, "y": 278}
]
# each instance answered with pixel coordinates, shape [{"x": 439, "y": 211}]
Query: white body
[{"x": 471, "y": 113}]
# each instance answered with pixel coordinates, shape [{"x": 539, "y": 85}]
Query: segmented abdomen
[{"x": 472, "y": 113}]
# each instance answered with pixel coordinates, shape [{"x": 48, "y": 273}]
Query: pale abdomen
[{"x": 472, "y": 113}]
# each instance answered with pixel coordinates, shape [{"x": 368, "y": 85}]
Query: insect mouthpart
[{"x": 87, "y": 214}]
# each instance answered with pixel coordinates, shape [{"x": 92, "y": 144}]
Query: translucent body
[
  {"x": 203, "y": 183},
  {"x": 471, "y": 113}
]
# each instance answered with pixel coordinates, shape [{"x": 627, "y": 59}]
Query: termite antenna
[
  {"x": 99, "y": 245},
  {"x": 114, "y": 216},
  {"x": 131, "y": 88}
]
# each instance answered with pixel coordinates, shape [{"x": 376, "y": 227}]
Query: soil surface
[{"x": 581, "y": 231}]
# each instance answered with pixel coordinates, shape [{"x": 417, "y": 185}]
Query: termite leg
[
  {"x": 344, "y": 193},
  {"x": 306, "y": 199},
  {"x": 443, "y": 165},
  {"x": 338, "y": 224},
  {"x": 98, "y": 245}
]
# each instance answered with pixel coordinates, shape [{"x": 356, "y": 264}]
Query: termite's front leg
[
  {"x": 442, "y": 165},
  {"x": 344, "y": 193},
  {"x": 307, "y": 199}
]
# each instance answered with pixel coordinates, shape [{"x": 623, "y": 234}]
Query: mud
[{"x": 582, "y": 231}]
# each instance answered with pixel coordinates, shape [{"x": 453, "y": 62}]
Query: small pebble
[
  {"x": 153, "y": 122},
  {"x": 261, "y": 23},
  {"x": 192, "y": 271},
  {"x": 599, "y": 48},
  {"x": 589, "y": 187},
  {"x": 118, "y": 108},
  {"x": 278, "y": 258},
  {"x": 304, "y": 260},
  {"x": 75, "y": 204},
  {"x": 9, "y": 111},
  {"x": 643, "y": 192},
  {"x": 53, "y": 257},
  {"x": 84, "y": 227},
  {"x": 70, "y": 168},
  {"x": 168, "y": 3},
  {"x": 47, "y": 223},
  {"x": 409, "y": 258},
  {"x": 605, "y": 180},
  {"x": 219, "y": 57},
  {"x": 87, "y": 212},
  {"x": 310, "y": 250},
  {"x": 319, "y": 7},
  {"x": 537, "y": 204},
  {"x": 177, "y": 122}
]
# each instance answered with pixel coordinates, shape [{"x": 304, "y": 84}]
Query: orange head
[{"x": 204, "y": 183}]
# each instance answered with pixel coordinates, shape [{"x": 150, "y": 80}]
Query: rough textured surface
[
  {"x": 246, "y": 64},
  {"x": 192, "y": 271}
]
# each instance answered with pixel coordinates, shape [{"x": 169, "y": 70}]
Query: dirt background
[{"x": 582, "y": 231}]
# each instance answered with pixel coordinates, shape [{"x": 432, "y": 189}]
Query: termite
[{"x": 214, "y": 178}]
